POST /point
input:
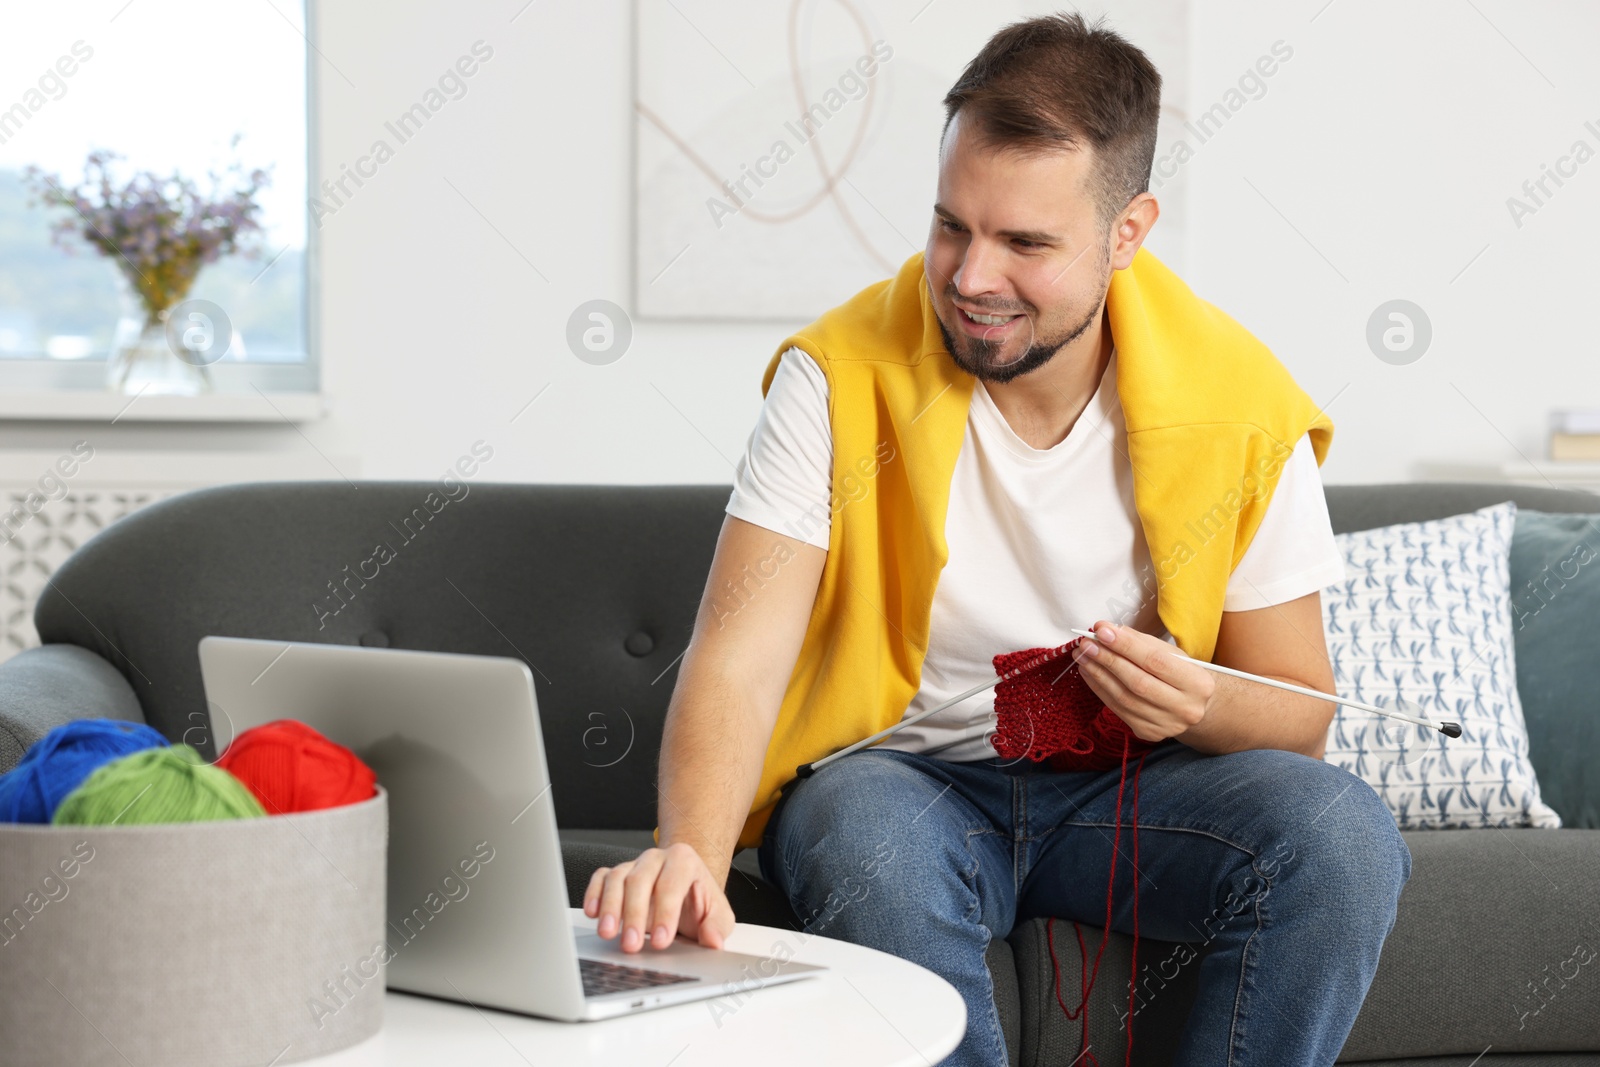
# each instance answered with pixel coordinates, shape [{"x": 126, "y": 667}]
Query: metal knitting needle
[
  {"x": 805, "y": 770},
  {"x": 1449, "y": 729}
]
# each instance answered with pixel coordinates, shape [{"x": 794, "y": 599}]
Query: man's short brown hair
[{"x": 1056, "y": 82}]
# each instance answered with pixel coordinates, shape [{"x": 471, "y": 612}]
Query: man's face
[{"x": 1016, "y": 263}]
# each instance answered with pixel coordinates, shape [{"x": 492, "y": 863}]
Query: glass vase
[{"x": 145, "y": 360}]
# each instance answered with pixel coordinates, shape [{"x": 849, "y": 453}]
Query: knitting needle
[
  {"x": 805, "y": 770},
  {"x": 1449, "y": 729}
]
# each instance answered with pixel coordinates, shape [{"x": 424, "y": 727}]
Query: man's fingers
[
  {"x": 722, "y": 921},
  {"x": 660, "y": 894},
  {"x": 1103, "y": 677},
  {"x": 1145, "y": 651},
  {"x": 712, "y": 913},
  {"x": 672, "y": 885},
  {"x": 1167, "y": 665},
  {"x": 610, "y": 906},
  {"x": 1134, "y": 683},
  {"x": 591, "y": 895},
  {"x": 1109, "y": 687},
  {"x": 638, "y": 887}
]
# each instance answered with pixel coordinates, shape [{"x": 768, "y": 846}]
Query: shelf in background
[
  {"x": 60, "y": 405},
  {"x": 1563, "y": 474}
]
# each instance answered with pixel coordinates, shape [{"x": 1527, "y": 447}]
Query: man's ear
[{"x": 1132, "y": 225}]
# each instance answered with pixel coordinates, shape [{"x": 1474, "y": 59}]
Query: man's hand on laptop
[{"x": 667, "y": 891}]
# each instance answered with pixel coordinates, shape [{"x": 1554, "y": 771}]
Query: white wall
[{"x": 1391, "y": 140}]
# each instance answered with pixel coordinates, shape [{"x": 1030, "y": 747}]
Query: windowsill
[{"x": 67, "y": 405}]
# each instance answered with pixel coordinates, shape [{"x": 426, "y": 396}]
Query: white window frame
[{"x": 53, "y": 389}]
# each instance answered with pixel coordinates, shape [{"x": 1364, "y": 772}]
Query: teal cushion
[{"x": 1555, "y": 608}]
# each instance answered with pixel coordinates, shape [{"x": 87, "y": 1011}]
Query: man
[{"x": 1034, "y": 424}]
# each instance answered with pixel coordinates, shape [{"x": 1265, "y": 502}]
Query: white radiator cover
[{"x": 100, "y": 490}]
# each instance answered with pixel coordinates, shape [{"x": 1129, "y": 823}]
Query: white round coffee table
[{"x": 870, "y": 1010}]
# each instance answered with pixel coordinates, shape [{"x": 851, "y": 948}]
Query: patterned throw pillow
[{"x": 1424, "y": 615}]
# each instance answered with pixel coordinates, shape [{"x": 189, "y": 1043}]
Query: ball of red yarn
[
  {"x": 1049, "y": 714},
  {"x": 291, "y": 767}
]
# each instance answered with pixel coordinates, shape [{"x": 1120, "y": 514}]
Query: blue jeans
[{"x": 929, "y": 860}]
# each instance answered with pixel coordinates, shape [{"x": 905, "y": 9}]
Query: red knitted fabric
[
  {"x": 291, "y": 767},
  {"x": 1049, "y": 714}
]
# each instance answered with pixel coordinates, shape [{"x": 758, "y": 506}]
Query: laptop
[{"x": 477, "y": 898}]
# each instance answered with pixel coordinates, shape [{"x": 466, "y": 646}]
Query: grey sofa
[{"x": 597, "y": 587}]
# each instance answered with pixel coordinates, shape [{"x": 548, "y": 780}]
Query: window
[{"x": 166, "y": 85}]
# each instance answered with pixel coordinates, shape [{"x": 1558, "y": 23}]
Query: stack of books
[{"x": 1575, "y": 434}]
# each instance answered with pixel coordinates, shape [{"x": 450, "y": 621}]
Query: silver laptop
[{"x": 477, "y": 900}]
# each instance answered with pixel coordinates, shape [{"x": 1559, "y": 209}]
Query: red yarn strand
[
  {"x": 1065, "y": 723},
  {"x": 1133, "y": 961}
]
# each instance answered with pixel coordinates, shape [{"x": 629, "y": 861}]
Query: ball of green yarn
[{"x": 158, "y": 785}]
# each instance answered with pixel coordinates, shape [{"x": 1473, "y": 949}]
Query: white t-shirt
[{"x": 1040, "y": 540}]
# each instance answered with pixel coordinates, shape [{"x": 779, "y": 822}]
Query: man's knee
[
  {"x": 1354, "y": 861},
  {"x": 1372, "y": 850}
]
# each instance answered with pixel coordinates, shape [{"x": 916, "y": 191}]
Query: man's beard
[{"x": 975, "y": 355}]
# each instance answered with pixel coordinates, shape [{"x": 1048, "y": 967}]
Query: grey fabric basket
[{"x": 215, "y": 944}]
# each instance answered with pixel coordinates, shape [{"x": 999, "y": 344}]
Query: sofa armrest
[{"x": 41, "y": 688}]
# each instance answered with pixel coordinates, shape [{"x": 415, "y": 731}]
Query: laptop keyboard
[{"x": 600, "y": 977}]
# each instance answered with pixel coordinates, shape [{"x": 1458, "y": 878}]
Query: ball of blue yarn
[{"x": 58, "y": 763}]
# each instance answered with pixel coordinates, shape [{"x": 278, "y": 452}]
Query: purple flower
[{"x": 159, "y": 231}]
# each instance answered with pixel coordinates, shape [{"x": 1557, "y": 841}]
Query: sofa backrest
[
  {"x": 596, "y": 587},
  {"x": 1363, "y": 507}
]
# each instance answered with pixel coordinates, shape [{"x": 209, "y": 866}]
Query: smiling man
[{"x": 1043, "y": 427}]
